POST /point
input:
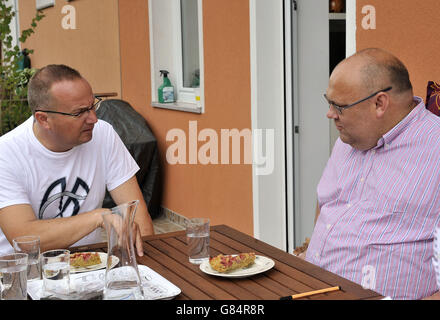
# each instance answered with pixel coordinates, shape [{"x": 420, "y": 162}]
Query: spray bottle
[{"x": 166, "y": 90}]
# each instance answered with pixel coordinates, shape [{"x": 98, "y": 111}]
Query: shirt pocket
[{"x": 397, "y": 221}]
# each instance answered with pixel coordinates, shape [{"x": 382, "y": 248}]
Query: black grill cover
[{"x": 142, "y": 145}]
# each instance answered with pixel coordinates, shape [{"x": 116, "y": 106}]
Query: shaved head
[{"x": 380, "y": 69}]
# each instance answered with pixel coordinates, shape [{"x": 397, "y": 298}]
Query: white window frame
[
  {"x": 43, "y": 4},
  {"x": 15, "y": 23},
  {"x": 185, "y": 97}
]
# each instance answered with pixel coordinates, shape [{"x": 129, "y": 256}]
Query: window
[
  {"x": 176, "y": 45},
  {"x": 190, "y": 44}
]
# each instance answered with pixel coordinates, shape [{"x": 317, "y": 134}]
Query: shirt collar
[{"x": 415, "y": 113}]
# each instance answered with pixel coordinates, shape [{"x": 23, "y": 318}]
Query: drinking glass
[
  {"x": 31, "y": 246},
  {"x": 13, "y": 280},
  {"x": 56, "y": 272},
  {"x": 197, "y": 237}
]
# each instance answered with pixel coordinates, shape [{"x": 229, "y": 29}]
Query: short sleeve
[
  {"x": 120, "y": 164},
  {"x": 12, "y": 182}
]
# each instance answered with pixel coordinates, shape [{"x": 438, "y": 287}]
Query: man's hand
[
  {"x": 302, "y": 255},
  {"x": 435, "y": 296},
  {"x": 116, "y": 223},
  {"x": 129, "y": 191}
]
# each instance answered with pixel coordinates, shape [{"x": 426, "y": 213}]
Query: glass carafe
[{"x": 122, "y": 279}]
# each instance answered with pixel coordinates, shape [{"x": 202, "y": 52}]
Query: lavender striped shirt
[{"x": 379, "y": 209}]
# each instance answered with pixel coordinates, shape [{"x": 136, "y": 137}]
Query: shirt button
[
  {"x": 348, "y": 205},
  {"x": 317, "y": 255},
  {"x": 362, "y": 179},
  {"x": 328, "y": 226}
]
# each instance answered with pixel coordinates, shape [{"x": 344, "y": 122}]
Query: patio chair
[
  {"x": 142, "y": 145},
  {"x": 433, "y": 97}
]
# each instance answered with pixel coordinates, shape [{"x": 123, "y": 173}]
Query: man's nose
[
  {"x": 91, "y": 116},
  {"x": 332, "y": 113}
]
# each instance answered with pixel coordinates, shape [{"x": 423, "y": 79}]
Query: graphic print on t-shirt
[{"x": 72, "y": 198}]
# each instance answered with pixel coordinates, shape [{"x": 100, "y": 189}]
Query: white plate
[
  {"x": 102, "y": 265},
  {"x": 260, "y": 265}
]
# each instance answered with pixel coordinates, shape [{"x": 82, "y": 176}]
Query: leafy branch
[{"x": 13, "y": 80}]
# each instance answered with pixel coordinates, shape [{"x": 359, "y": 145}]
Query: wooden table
[{"x": 167, "y": 255}]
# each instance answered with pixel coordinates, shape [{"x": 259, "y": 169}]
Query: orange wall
[
  {"x": 220, "y": 192},
  {"x": 111, "y": 49},
  {"x": 92, "y": 49},
  {"x": 408, "y": 29}
]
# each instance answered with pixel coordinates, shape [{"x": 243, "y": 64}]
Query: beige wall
[
  {"x": 408, "y": 29},
  {"x": 92, "y": 49},
  {"x": 220, "y": 192}
]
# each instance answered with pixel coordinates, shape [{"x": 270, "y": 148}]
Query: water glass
[
  {"x": 13, "y": 281},
  {"x": 197, "y": 237},
  {"x": 31, "y": 246},
  {"x": 56, "y": 272}
]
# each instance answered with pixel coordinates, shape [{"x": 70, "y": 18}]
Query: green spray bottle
[{"x": 166, "y": 90}]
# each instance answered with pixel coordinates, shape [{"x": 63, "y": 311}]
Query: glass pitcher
[{"x": 122, "y": 279}]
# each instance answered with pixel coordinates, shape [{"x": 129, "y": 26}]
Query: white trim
[
  {"x": 187, "y": 95},
  {"x": 178, "y": 106},
  {"x": 254, "y": 111},
  {"x": 43, "y": 4},
  {"x": 153, "y": 81},
  {"x": 201, "y": 58},
  {"x": 288, "y": 58},
  {"x": 178, "y": 58},
  {"x": 292, "y": 195},
  {"x": 17, "y": 24},
  {"x": 268, "y": 113},
  {"x": 350, "y": 24}
]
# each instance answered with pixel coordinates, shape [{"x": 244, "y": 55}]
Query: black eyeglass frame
[
  {"x": 340, "y": 108},
  {"x": 95, "y": 107}
]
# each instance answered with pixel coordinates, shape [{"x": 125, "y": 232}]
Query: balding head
[
  {"x": 39, "y": 94},
  {"x": 380, "y": 69},
  {"x": 361, "y": 82}
]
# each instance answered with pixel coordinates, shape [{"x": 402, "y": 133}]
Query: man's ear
[
  {"x": 382, "y": 104},
  {"x": 41, "y": 118}
]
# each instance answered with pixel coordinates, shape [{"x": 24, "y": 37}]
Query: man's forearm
[{"x": 61, "y": 232}]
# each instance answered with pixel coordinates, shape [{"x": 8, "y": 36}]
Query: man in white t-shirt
[{"x": 55, "y": 167}]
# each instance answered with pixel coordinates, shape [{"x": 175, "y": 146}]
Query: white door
[{"x": 289, "y": 74}]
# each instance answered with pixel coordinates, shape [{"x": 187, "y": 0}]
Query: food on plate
[
  {"x": 225, "y": 263},
  {"x": 84, "y": 259},
  {"x": 302, "y": 248}
]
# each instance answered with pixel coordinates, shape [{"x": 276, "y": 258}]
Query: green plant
[{"x": 13, "y": 79}]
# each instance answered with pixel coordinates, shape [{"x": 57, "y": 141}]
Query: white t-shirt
[{"x": 61, "y": 184}]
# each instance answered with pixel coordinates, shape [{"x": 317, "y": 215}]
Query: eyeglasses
[
  {"x": 340, "y": 108},
  {"x": 79, "y": 113}
]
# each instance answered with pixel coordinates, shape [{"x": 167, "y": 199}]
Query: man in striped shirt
[{"x": 379, "y": 196}]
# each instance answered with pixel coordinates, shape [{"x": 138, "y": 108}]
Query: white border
[{"x": 350, "y": 25}]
